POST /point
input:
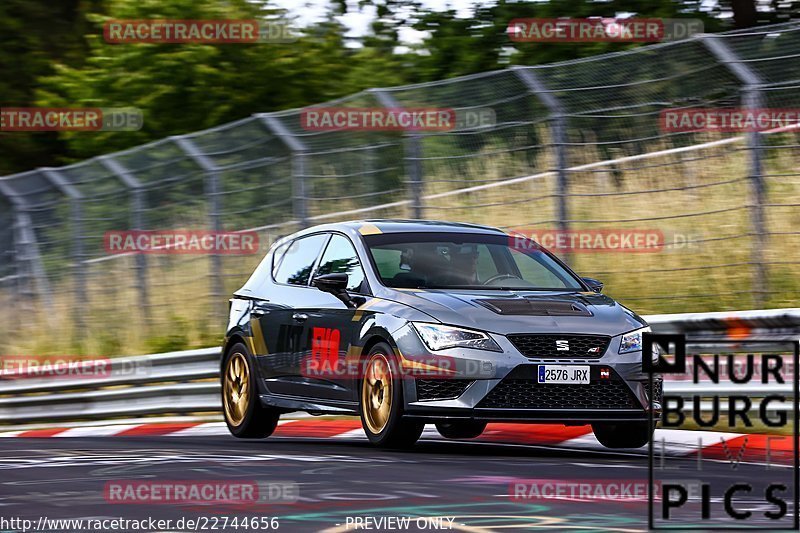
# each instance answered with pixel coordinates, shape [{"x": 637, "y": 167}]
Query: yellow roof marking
[{"x": 369, "y": 229}]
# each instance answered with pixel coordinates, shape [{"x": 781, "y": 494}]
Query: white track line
[
  {"x": 353, "y": 434},
  {"x": 675, "y": 442},
  {"x": 96, "y": 431},
  {"x": 209, "y": 429}
]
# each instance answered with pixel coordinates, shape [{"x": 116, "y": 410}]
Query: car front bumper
[{"x": 618, "y": 389}]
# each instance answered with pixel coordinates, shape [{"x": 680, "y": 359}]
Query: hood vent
[{"x": 534, "y": 307}]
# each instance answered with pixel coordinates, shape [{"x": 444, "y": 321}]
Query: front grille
[
  {"x": 547, "y": 346},
  {"x": 527, "y": 394},
  {"x": 441, "y": 389}
]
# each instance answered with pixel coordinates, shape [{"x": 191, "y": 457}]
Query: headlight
[
  {"x": 632, "y": 342},
  {"x": 439, "y": 337}
]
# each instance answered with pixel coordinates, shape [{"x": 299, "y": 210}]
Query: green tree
[
  {"x": 33, "y": 36},
  {"x": 185, "y": 87}
]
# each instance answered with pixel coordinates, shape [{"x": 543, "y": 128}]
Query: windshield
[{"x": 466, "y": 261}]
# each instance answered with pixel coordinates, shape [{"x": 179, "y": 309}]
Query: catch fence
[{"x": 575, "y": 146}]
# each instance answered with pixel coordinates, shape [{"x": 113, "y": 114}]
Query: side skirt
[{"x": 312, "y": 406}]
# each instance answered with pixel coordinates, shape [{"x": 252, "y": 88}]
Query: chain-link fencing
[{"x": 578, "y": 146}]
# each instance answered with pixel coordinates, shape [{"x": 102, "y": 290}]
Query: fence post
[
  {"x": 22, "y": 272},
  {"x": 27, "y": 253},
  {"x": 12, "y": 254},
  {"x": 412, "y": 146},
  {"x": 136, "y": 190},
  {"x": 79, "y": 266},
  {"x": 212, "y": 191},
  {"x": 299, "y": 155},
  {"x": 27, "y": 260},
  {"x": 558, "y": 131},
  {"x": 753, "y": 99}
]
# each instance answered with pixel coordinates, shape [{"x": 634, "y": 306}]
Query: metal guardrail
[
  {"x": 773, "y": 324},
  {"x": 187, "y": 382},
  {"x": 182, "y": 383}
]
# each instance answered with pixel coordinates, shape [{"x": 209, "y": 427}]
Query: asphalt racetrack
[{"x": 453, "y": 485}]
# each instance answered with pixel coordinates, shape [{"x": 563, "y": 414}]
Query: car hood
[{"x": 507, "y": 312}]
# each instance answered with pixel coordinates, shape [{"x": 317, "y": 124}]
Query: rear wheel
[
  {"x": 245, "y": 416},
  {"x": 381, "y": 402},
  {"x": 622, "y": 434},
  {"x": 461, "y": 429}
]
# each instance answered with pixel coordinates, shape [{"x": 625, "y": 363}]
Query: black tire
[
  {"x": 391, "y": 430},
  {"x": 623, "y": 434},
  {"x": 460, "y": 429},
  {"x": 250, "y": 419}
]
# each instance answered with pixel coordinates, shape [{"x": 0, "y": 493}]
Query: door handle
[{"x": 300, "y": 317}]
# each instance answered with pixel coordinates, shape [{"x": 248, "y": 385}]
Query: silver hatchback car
[{"x": 411, "y": 322}]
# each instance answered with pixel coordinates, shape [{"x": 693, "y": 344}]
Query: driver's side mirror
[
  {"x": 332, "y": 283},
  {"x": 595, "y": 284},
  {"x": 335, "y": 284}
]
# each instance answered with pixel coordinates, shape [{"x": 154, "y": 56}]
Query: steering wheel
[{"x": 499, "y": 277}]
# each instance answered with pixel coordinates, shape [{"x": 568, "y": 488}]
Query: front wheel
[
  {"x": 245, "y": 416},
  {"x": 622, "y": 434},
  {"x": 460, "y": 429},
  {"x": 381, "y": 402}
]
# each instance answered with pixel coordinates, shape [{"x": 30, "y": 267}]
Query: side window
[
  {"x": 277, "y": 256},
  {"x": 296, "y": 264},
  {"x": 341, "y": 257}
]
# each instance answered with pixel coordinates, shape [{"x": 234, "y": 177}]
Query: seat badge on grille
[{"x": 562, "y": 346}]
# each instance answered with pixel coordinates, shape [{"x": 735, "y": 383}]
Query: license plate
[{"x": 568, "y": 374}]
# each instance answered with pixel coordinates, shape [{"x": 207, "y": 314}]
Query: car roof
[{"x": 378, "y": 226}]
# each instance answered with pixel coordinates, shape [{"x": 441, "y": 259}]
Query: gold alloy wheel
[
  {"x": 236, "y": 391},
  {"x": 376, "y": 393}
]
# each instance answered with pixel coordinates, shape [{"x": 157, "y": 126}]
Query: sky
[{"x": 310, "y": 11}]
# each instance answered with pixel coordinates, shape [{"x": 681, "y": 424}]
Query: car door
[
  {"x": 280, "y": 313},
  {"x": 331, "y": 329}
]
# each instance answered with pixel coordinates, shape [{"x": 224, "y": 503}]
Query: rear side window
[
  {"x": 340, "y": 258},
  {"x": 296, "y": 264},
  {"x": 277, "y": 256}
]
